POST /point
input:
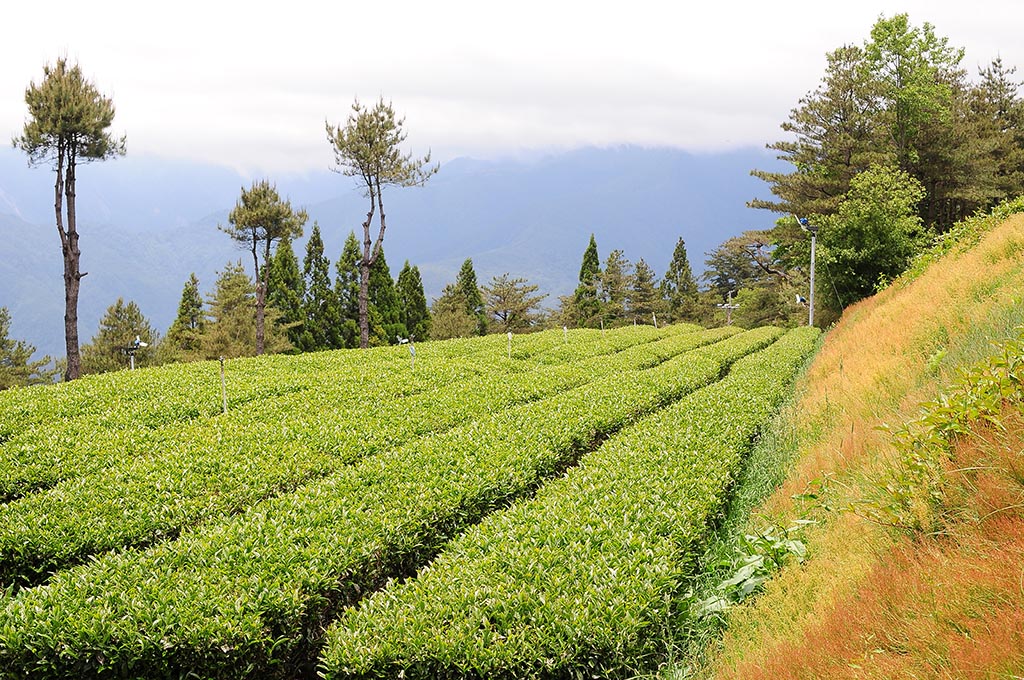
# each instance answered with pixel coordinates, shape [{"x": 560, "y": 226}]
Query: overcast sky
[{"x": 250, "y": 84}]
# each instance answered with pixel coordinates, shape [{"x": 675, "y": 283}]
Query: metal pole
[{"x": 814, "y": 238}]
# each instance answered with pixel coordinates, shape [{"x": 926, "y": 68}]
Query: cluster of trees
[{"x": 892, "y": 148}]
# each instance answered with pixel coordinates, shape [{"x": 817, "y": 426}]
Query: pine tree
[
  {"x": 231, "y": 325},
  {"x": 467, "y": 287},
  {"x": 616, "y": 281},
  {"x": 184, "y": 337},
  {"x": 586, "y": 301},
  {"x": 449, "y": 318},
  {"x": 346, "y": 292},
  {"x": 511, "y": 303},
  {"x": 120, "y": 327},
  {"x": 286, "y": 290},
  {"x": 16, "y": 366},
  {"x": 386, "y": 309},
  {"x": 644, "y": 296},
  {"x": 678, "y": 288},
  {"x": 413, "y": 302},
  {"x": 320, "y": 304}
]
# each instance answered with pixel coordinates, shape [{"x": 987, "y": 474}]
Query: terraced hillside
[{"x": 491, "y": 509}]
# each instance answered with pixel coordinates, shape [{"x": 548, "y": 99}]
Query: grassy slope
[{"x": 868, "y": 603}]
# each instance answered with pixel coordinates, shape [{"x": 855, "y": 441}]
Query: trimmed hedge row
[
  {"x": 223, "y": 467},
  {"x": 251, "y": 595},
  {"x": 576, "y": 581}
]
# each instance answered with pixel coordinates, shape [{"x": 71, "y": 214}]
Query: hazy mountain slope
[{"x": 146, "y": 223}]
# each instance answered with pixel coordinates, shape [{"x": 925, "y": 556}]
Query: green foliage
[
  {"x": 385, "y": 308},
  {"x": 119, "y": 328},
  {"x": 875, "y": 233},
  {"x": 412, "y": 302},
  {"x": 911, "y": 497},
  {"x": 576, "y": 582},
  {"x": 511, "y": 304},
  {"x": 615, "y": 283},
  {"x": 586, "y": 303},
  {"x": 68, "y": 119},
  {"x": 320, "y": 308},
  {"x": 449, "y": 318},
  {"x": 327, "y": 542},
  {"x": 679, "y": 288},
  {"x": 468, "y": 290},
  {"x": 184, "y": 337},
  {"x": 346, "y": 290},
  {"x": 230, "y": 329},
  {"x": 285, "y": 291},
  {"x": 645, "y": 300},
  {"x": 16, "y": 366},
  {"x": 367, "y": 148}
]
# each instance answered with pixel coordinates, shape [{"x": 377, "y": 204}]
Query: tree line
[{"x": 893, "y": 147}]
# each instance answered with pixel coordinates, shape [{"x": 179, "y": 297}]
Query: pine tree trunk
[
  {"x": 261, "y": 304},
  {"x": 364, "y": 304},
  {"x": 65, "y": 185}
]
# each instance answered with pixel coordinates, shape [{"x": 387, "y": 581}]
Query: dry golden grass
[{"x": 876, "y": 367}]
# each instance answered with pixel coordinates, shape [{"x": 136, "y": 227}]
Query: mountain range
[{"x": 146, "y": 223}]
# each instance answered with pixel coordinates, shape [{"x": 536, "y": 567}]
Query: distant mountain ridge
[{"x": 146, "y": 223}]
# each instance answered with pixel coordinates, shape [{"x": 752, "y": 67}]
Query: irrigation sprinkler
[{"x": 411, "y": 341}]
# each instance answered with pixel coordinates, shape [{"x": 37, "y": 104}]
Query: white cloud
[{"x": 250, "y": 84}]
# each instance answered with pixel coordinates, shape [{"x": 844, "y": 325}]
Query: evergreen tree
[
  {"x": 679, "y": 288},
  {"x": 231, "y": 325},
  {"x": 119, "y": 328},
  {"x": 346, "y": 292},
  {"x": 16, "y": 366},
  {"x": 449, "y": 318},
  {"x": 387, "y": 310},
  {"x": 367, "y": 147},
  {"x": 68, "y": 124},
  {"x": 586, "y": 301},
  {"x": 285, "y": 292},
  {"x": 511, "y": 303},
  {"x": 644, "y": 296},
  {"x": 413, "y": 302},
  {"x": 184, "y": 337},
  {"x": 616, "y": 282},
  {"x": 320, "y": 303},
  {"x": 259, "y": 218},
  {"x": 469, "y": 290}
]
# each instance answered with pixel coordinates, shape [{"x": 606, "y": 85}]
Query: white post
[
  {"x": 814, "y": 238},
  {"x": 510, "y": 344},
  {"x": 223, "y": 387}
]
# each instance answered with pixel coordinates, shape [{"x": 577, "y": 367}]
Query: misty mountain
[{"x": 146, "y": 223}]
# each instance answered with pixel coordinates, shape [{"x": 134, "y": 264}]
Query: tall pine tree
[
  {"x": 346, "y": 292},
  {"x": 320, "y": 304},
  {"x": 679, "y": 288},
  {"x": 616, "y": 281},
  {"x": 586, "y": 300},
  {"x": 413, "y": 302},
  {"x": 644, "y": 296},
  {"x": 286, "y": 290},
  {"x": 466, "y": 286}
]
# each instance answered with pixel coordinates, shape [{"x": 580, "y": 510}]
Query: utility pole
[{"x": 807, "y": 226}]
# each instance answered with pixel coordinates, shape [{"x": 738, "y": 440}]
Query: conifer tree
[
  {"x": 259, "y": 218},
  {"x": 320, "y": 304},
  {"x": 511, "y": 303},
  {"x": 68, "y": 124},
  {"x": 16, "y": 366},
  {"x": 230, "y": 323},
  {"x": 367, "y": 147},
  {"x": 184, "y": 337},
  {"x": 679, "y": 288},
  {"x": 413, "y": 302},
  {"x": 346, "y": 292},
  {"x": 286, "y": 290},
  {"x": 119, "y": 328},
  {"x": 644, "y": 296},
  {"x": 449, "y": 318},
  {"x": 387, "y": 311},
  {"x": 616, "y": 281},
  {"x": 586, "y": 301},
  {"x": 467, "y": 287}
]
